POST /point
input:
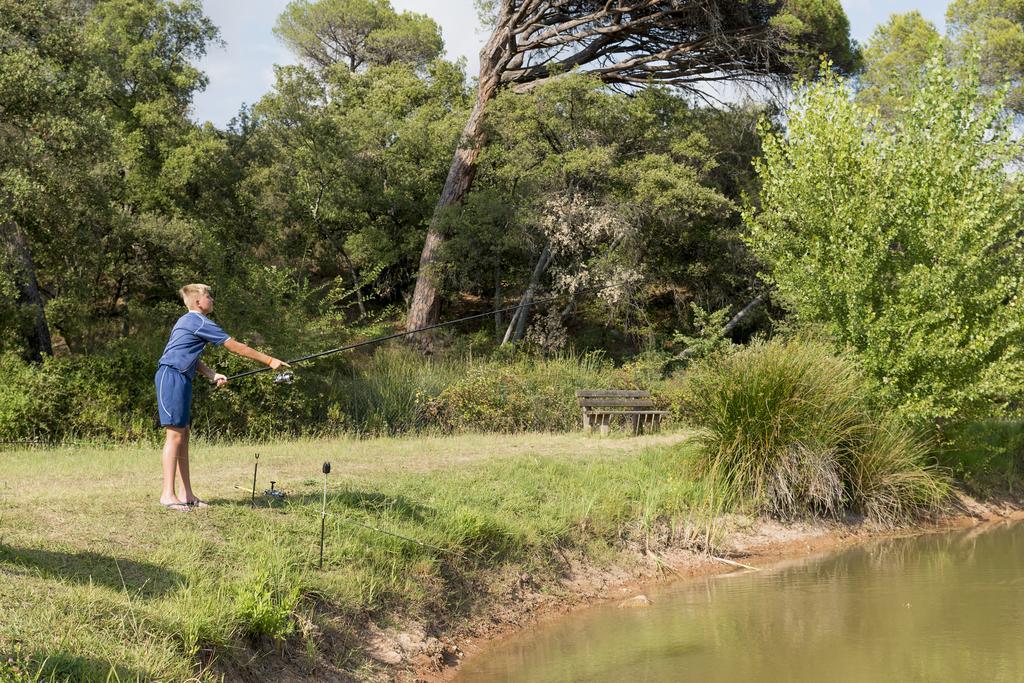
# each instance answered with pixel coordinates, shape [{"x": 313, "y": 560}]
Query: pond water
[{"x": 939, "y": 607}]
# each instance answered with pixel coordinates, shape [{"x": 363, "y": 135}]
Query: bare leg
[
  {"x": 186, "y": 481},
  {"x": 172, "y": 443}
]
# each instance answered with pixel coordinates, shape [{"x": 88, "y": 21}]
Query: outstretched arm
[
  {"x": 235, "y": 346},
  {"x": 207, "y": 372}
]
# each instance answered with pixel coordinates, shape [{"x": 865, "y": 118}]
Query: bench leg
[
  {"x": 636, "y": 424},
  {"x": 605, "y": 421},
  {"x": 588, "y": 423}
]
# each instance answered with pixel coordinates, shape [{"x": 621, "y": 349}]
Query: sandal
[
  {"x": 197, "y": 503},
  {"x": 178, "y": 507}
]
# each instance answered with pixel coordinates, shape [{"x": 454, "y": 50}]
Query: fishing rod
[{"x": 396, "y": 335}]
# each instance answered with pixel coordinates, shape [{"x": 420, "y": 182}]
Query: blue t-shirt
[{"x": 189, "y": 337}]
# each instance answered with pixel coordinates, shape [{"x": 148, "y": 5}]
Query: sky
[{"x": 242, "y": 70}]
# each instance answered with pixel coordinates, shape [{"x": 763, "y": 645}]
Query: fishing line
[
  {"x": 348, "y": 347},
  {"x": 396, "y": 335},
  {"x": 345, "y": 520},
  {"x": 326, "y": 469}
]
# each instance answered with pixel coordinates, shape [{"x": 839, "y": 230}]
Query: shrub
[
  {"x": 915, "y": 266},
  {"x": 76, "y": 397},
  {"x": 258, "y": 407},
  {"x": 527, "y": 394},
  {"x": 389, "y": 392},
  {"x": 392, "y": 391},
  {"x": 787, "y": 427},
  {"x": 987, "y": 454},
  {"x": 888, "y": 480}
]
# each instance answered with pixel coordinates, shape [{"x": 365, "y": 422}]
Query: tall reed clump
[
  {"x": 787, "y": 428},
  {"x": 387, "y": 393}
]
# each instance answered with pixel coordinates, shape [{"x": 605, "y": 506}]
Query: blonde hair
[{"x": 188, "y": 292}]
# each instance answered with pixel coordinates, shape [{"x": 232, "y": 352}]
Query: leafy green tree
[
  {"x": 895, "y": 57},
  {"x": 990, "y": 30},
  {"x": 994, "y": 30},
  {"x": 810, "y": 28},
  {"x": 357, "y": 34},
  {"x": 626, "y": 45},
  {"x": 581, "y": 186},
  {"x": 345, "y": 168},
  {"x": 96, "y": 98},
  {"x": 904, "y": 240},
  {"x": 52, "y": 136},
  {"x": 144, "y": 52}
]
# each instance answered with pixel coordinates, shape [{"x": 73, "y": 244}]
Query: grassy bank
[{"x": 97, "y": 576}]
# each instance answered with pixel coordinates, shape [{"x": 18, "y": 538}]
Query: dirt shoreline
[{"x": 409, "y": 655}]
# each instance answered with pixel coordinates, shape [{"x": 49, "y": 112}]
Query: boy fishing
[{"x": 177, "y": 367}]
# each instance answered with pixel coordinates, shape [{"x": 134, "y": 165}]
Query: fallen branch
[
  {"x": 663, "y": 563},
  {"x": 734, "y": 564}
]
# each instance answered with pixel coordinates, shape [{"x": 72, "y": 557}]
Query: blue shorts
[{"x": 173, "y": 397}]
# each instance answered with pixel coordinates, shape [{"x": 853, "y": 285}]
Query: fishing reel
[
  {"x": 274, "y": 493},
  {"x": 284, "y": 377}
]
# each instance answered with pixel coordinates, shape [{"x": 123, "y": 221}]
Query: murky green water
[{"x": 944, "y": 607}]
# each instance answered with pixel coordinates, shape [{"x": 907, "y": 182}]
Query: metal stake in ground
[
  {"x": 254, "y": 468},
  {"x": 323, "y": 513}
]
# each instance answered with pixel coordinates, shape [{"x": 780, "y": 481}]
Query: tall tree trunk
[
  {"x": 23, "y": 272},
  {"x": 732, "y": 324},
  {"x": 357, "y": 282},
  {"x": 743, "y": 314},
  {"x": 425, "y": 300},
  {"x": 623, "y": 43},
  {"x": 517, "y": 326},
  {"x": 497, "y": 301},
  {"x": 494, "y": 58}
]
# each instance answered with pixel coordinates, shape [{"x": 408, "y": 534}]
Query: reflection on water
[{"x": 946, "y": 607}]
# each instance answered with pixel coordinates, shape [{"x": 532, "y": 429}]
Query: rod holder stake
[
  {"x": 254, "y": 468},
  {"x": 326, "y": 469}
]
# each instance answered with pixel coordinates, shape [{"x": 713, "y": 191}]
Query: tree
[
  {"x": 94, "y": 99},
  {"x": 144, "y": 52},
  {"x": 345, "y": 164},
  {"x": 45, "y": 124},
  {"x": 895, "y": 57},
  {"x": 357, "y": 34},
  {"x": 903, "y": 240},
  {"x": 991, "y": 31},
  {"x": 626, "y": 44},
  {"x": 994, "y": 30},
  {"x": 581, "y": 188}
]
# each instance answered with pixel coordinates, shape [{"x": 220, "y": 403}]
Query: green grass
[{"x": 97, "y": 577}]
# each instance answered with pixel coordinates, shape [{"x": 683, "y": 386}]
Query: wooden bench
[{"x": 600, "y": 406}]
